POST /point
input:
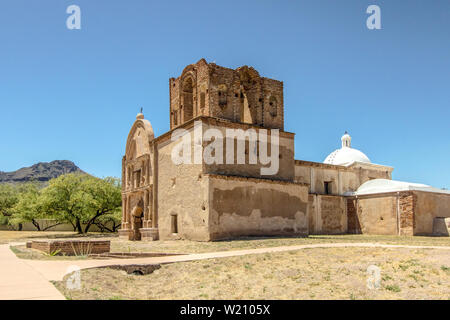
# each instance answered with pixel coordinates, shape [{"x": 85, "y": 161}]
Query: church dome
[{"x": 346, "y": 154}]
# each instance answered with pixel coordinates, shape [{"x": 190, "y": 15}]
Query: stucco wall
[
  {"x": 285, "y": 158},
  {"x": 428, "y": 206},
  {"x": 327, "y": 214},
  {"x": 248, "y": 206},
  {"x": 373, "y": 215},
  {"x": 182, "y": 191},
  {"x": 343, "y": 179}
]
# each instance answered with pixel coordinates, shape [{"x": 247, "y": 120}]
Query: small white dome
[{"x": 346, "y": 154}]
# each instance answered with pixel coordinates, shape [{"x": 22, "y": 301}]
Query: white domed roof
[
  {"x": 385, "y": 185},
  {"x": 346, "y": 154}
]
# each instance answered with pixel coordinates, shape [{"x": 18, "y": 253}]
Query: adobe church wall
[
  {"x": 428, "y": 206},
  {"x": 327, "y": 214},
  {"x": 247, "y": 206},
  {"x": 405, "y": 213},
  {"x": 375, "y": 214},
  {"x": 285, "y": 158},
  {"x": 341, "y": 179},
  {"x": 370, "y": 174},
  {"x": 182, "y": 197}
]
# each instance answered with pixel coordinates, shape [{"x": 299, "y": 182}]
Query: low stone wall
[{"x": 72, "y": 247}]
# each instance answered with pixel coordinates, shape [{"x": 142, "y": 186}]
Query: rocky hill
[{"x": 41, "y": 172}]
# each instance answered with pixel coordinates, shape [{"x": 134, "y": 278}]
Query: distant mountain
[{"x": 40, "y": 172}]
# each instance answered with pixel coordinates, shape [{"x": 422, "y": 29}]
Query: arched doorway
[{"x": 188, "y": 99}]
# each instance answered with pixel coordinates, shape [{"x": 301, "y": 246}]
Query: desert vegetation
[
  {"x": 321, "y": 273},
  {"x": 80, "y": 200}
]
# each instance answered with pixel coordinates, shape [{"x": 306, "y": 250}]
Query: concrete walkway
[
  {"x": 29, "y": 279},
  {"x": 18, "y": 280}
]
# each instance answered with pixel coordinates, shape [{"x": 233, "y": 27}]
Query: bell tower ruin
[{"x": 238, "y": 95}]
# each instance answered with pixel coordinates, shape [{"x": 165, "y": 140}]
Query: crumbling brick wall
[
  {"x": 239, "y": 95},
  {"x": 406, "y": 212}
]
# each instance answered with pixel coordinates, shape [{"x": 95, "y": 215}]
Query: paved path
[
  {"x": 28, "y": 279},
  {"x": 18, "y": 280},
  {"x": 55, "y": 270}
]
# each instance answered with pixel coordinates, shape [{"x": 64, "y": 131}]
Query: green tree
[
  {"x": 9, "y": 196},
  {"x": 29, "y": 208},
  {"x": 104, "y": 202},
  {"x": 82, "y": 200}
]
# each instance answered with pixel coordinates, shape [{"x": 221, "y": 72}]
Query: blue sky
[{"x": 74, "y": 94}]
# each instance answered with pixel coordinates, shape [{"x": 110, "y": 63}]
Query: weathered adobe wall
[
  {"x": 428, "y": 206},
  {"x": 182, "y": 191},
  {"x": 327, "y": 214},
  {"x": 370, "y": 174},
  {"x": 316, "y": 174},
  {"x": 373, "y": 215},
  {"x": 384, "y": 214},
  {"x": 249, "y": 206},
  {"x": 343, "y": 179},
  {"x": 285, "y": 159}
]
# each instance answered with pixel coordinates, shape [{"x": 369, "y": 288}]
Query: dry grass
[
  {"x": 185, "y": 246},
  {"x": 21, "y": 236},
  {"x": 13, "y": 236},
  {"x": 332, "y": 273},
  {"x": 23, "y": 252}
]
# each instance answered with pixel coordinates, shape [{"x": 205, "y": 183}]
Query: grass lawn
[{"x": 331, "y": 273}]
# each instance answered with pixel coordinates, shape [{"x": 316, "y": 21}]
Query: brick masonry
[
  {"x": 352, "y": 217},
  {"x": 72, "y": 247},
  {"x": 407, "y": 203}
]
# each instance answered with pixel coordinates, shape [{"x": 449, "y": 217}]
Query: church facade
[{"x": 207, "y": 201}]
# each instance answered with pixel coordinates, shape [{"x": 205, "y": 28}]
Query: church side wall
[
  {"x": 316, "y": 174},
  {"x": 286, "y": 154},
  {"x": 247, "y": 206},
  {"x": 375, "y": 214},
  {"x": 182, "y": 193},
  {"x": 327, "y": 214},
  {"x": 428, "y": 206}
]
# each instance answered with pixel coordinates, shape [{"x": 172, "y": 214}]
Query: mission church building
[{"x": 201, "y": 201}]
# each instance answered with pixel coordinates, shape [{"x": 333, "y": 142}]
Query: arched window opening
[
  {"x": 188, "y": 99},
  {"x": 273, "y": 106},
  {"x": 246, "y": 115}
]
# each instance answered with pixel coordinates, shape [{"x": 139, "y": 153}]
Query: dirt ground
[{"x": 331, "y": 273}]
